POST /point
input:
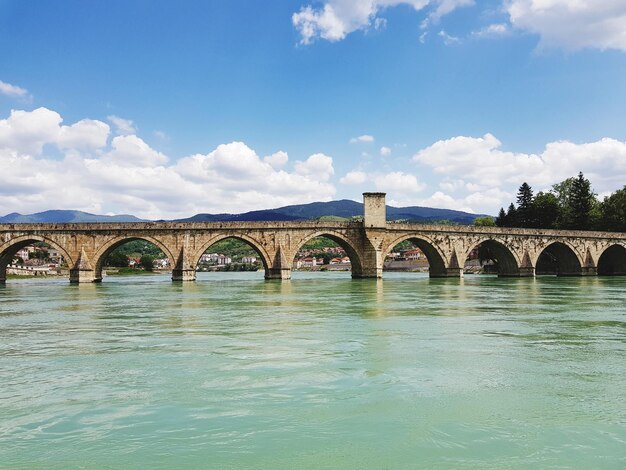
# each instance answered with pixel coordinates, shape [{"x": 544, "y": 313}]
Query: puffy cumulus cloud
[
  {"x": 13, "y": 90},
  {"x": 481, "y": 177},
  {"x": 125, "y": 175},
  {"x": 318, "y": 165},
  {"x": 122, "y": 126},
  {"x": 397, "y": 182},
  {"x": 131, "y": 151},
  {"x": 365, "y": 138},
  {"x": 385, "y": 151},
  {"x": 26, "y": 132},
  {"x": 401, "y": 188},
  {"x": 572, "y": 24},
  {"x": 277, "y": 160},
  {"x": 335, "y": 19},
  {"x": 85, "y": 134},
  {"x": 354, "y": 177}
]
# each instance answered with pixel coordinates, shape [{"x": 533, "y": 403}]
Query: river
[{"x": 319, "y": 372}]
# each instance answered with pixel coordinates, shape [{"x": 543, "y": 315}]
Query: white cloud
[
  {"x": 492, "y": 30},
  {"x": 484, "y": 177},
  {"x": 125, "y": 175},
  {"x": 572, "y": 24},
  {"x": 398, "y": 182},
  {"x": 26, "y": 132},
  {"x": 83, "y": 135},
  {"x": 277, "y": 160},
  {"x": 123, "y": 126},
  {"x": 335, "y": 19},
  {"x": 447, "y": 39},
  {"x": 13, "y": 90},
  {"x": 385, "y": 151},
  {"x": 318, "y": 165},
  {"x": 354, "y": 177},
  {"x": 362, "y": 139}
]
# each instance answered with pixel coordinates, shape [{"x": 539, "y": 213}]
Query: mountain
[
  {"x": 64, "y": 216},
  {"x": 343, "y": 208}
]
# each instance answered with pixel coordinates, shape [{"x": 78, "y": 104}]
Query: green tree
[
  {"x": 146, "y": 262},
  {"x": 563, "y": 192},
  {"x": 511, "y": 216},
  {"x": 116, "y": 259},
  {"x": 501, "y": 219},
  {"x": 525, "y": 216},
  {"x": 546, "y": 209},
  {"x": 613, "y": 212},
  {"x": 486, "y": 221},
  {"x": 581, "y": 203}
]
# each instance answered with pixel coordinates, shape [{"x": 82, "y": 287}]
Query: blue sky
[{"x": 164, "y": 109}]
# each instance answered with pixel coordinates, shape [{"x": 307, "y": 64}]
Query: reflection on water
[{"x": 318, "y": 372}]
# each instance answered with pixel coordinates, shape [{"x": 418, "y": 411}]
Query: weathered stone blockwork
[{"x": 85, "y": 246}]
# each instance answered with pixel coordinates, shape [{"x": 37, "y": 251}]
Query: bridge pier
[
  {"x": 184, "y": 275},
  {"x": 527, "y": 271},
  {"x": 83, "y": 272},
  {"x": 283, "y": 274},
  {"x": 82, "y": 276},
  {"x": 446, "y": 272},
  {"x": 589, "y": 271}
]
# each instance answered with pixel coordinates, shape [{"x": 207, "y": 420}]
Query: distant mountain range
[
  {"x": 343, "y": 209},
  {"x": 64, "y": 216}
]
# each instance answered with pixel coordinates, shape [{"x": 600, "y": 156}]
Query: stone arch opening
[
  {"x": 355, "y": 263},
  {"x": 558, "y": 259},
  {"x": 232, "y": 253},
  {"x": 163, "y": 258},
  {"x": 492, "y": 257},
  {"x": 9, "y": 250},
  {"x": 612, "y": 261},
  {"x": 415, "y": 254}
]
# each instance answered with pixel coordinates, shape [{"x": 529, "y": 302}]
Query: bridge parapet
[{"x": 519, "y": 252}]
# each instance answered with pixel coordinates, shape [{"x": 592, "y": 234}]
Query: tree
[
  {"x": 511, "y": 216},
  {"x": 501, "y": 219},
  {"x": 581, "y": 202},
  {"x": 546, "y": 209},
  {"x": 486, "y": 221},
  {"x": 525, "y": 206},
  {"x": 613, "y": 212},
  {"x": 116, "y": 259},
  {"x": 146, "y": 262}
]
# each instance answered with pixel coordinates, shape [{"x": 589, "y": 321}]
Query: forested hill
[{"x": 343, "y": 208}]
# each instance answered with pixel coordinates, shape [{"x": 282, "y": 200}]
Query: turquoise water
[{"x": 320, "y": 372}]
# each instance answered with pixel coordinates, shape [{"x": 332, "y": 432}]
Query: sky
[{"x": 166, "y": 109}]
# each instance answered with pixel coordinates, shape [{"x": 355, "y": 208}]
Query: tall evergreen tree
[
  {"x": 511, "y": 216},
  {"x": 581, "y": 202},
  {"x": 501, "y": 219},
  {"x": 525, "y": 216}
]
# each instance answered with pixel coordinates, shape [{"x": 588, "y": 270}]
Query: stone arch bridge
[{"x": 519, "y": 252}]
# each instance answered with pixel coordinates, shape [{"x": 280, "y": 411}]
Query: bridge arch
[
  {"x": 114, "y": 243},
  {"x": 436, "y": 258},
  {"x": 612, "y": 261},
  {"x": 344, "y": 242},
  {"x": 559, "y": 257},
  {"x": 509, "y": 262},
  {"x": 248, "y": 240},
  {"x": 9, "y": 248}
]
